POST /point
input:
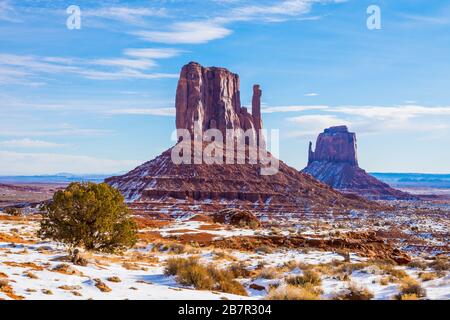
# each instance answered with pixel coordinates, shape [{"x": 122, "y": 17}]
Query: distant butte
[{"x": 335, "y": 162}]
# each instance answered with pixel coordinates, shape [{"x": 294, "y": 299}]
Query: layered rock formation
[
  {"x": 211, "y": 96},
  {"x": 335, "y": 144},
  {"x": 335, "y": 163}
]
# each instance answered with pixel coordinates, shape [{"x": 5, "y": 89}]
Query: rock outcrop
[
  {"x": 335, "y": 144},
  {"x": 211, "y": 96},
  {"x": 335, "y": 162}
]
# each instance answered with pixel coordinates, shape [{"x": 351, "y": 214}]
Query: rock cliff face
[
  {"x": 211, "y": 96},
  {"x": 335, "y": 144},
  {"x": 335, "y": 163}
]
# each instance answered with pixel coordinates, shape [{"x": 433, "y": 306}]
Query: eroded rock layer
[{"x": 234, "y": 185}]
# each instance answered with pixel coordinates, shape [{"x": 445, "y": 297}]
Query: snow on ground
[
  {"x": 28, "y": 264},
  {"x": 149, "y": 282}
]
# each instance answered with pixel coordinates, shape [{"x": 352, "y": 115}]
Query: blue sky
[{"x": 101, "y": 99}]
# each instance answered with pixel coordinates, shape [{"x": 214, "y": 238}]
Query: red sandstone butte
[
  {"x": 335, "y": 162},
  {"x": 211, "y": 96}
]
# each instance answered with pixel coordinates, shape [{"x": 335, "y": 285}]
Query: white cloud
[
  {"x": 287, "y": 7},
  {"x": 432, "y": 20},
  {"x": 129, "y": 15},
  {"x": 152, "y": 53},
  {"x": 311, "y": 94},
  {"x": 7, "y": 12},
  {"x": 29, "y": 143},
  {"x": 125, "y": 74},
  {"x": 311, "y": 125},
  {"x": 21, "y": 69},
  {"x": 15, "y": 163},
  {"x": 126, "y": 63},
  {"x": 432, "y": 122},
  {"x": 194, "y": 32},
  {"x": 150, "y": 111},
  {"x": 273, "y": 11},
  {"x": 291, "y": 108},
  {"x": 197, "y": 32},
  {"x": 390, "y": 113},
  {"x": 63, "y": 130}
]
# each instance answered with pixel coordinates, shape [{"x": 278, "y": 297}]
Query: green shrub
[{"x": 90, "y": 215}]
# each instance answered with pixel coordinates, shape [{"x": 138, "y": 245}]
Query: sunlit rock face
[{"x": 211, "y": 97}]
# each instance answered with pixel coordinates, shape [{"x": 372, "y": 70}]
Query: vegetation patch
[
  {"x": 290, "y": 292},
  {"x": 189, "y": 272},
  {"x": 90, "y": 215}
]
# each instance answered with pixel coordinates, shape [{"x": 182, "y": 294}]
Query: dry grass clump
[
  {"x": 348, "y": 267},
  {"x": 428, "y": 276},
  {"x": 173, "y": 248},
  {"x": 190, "y": 272},
  {"x": 177, "y": 248},
  {"x": 326, "y": 269},
  {"x": 66, "y": 269},
  {"x": 440, "y": 263},
  {"x": 12, "y": 211},
  {"x": 274, "y": 231},
  {"x": 418, "y": 264},
  {"x": 225, "y": 281},
  {"x": 30, "y": 275},
  {"x": 69, "y": 288},
  {"x": 102, "y": 286},
  {"x": 268, "y": 273},
  {"x": 308, "y": 278},
  {"x": 223, "y": 255},
  {"x": 385, "y": 281},
  {"x": 355, "y": 292},
  {"x": 174, "y": 265},
  {"x": 391, "y": 270},
  {"x": 290, "y": 265},
  {"x": 411, "y": 296},
  {"x": 132, "y": 266},
  {"x": 410, "y": 286},
  {"x": 114, "y": 279},
  {"x": 239, "y": 270},
  {"x": 290, "y": 292},
  {"x": 264, "y": 250}
]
